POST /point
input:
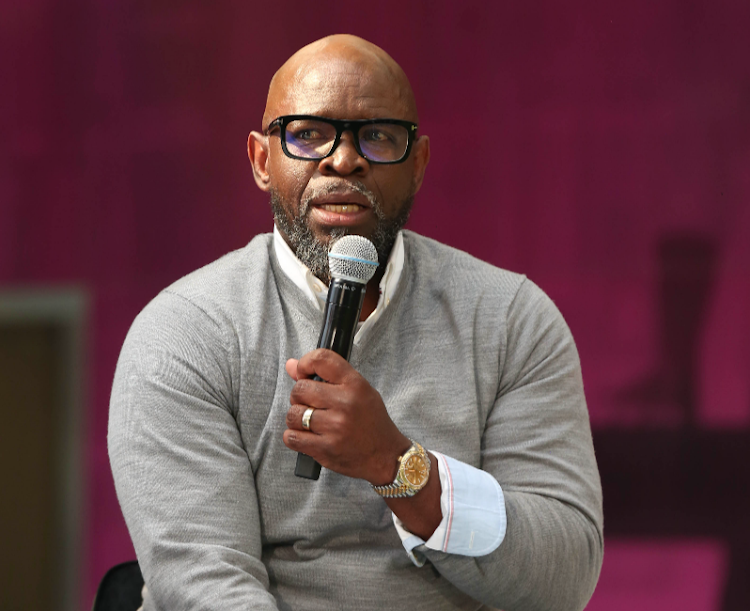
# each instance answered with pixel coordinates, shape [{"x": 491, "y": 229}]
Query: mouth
[
  {"x": 341, "y": 208},
  {"x": 340, "y": 214},
  {"x": 341, "y": 201},
  {"x": 347, "y": 208}
]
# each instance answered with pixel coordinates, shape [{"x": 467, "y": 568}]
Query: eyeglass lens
[{"x": 378, "y": 141}]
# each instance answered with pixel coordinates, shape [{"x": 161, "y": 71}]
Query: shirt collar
[{"x": 317, "y": 292}]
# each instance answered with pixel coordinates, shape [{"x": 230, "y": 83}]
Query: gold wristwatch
[{"x": 412, "y": 476}]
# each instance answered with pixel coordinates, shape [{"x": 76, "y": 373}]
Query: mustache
[{"x": 356, "y": 186}]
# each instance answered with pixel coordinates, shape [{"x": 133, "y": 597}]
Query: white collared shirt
[{"x": 472, "y": 502}]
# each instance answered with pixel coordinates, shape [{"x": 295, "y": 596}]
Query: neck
[{"x": 372, "y": 294}]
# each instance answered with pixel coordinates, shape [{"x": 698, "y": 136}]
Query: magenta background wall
[{"x": 602, "y": 148}]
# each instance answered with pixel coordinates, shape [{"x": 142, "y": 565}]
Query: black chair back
[{"x": 120, "y": 588}]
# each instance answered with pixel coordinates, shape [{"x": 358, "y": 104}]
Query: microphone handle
[{"x": 343, "y": 307}]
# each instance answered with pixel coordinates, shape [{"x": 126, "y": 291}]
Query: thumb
[{"x": 291, "y": 368}]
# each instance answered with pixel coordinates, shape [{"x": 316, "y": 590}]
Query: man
[{"x": 464, "y": 368}]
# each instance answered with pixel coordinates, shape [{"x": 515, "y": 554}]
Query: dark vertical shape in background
[
  {"x": 30, "y": 381},
  {"x": 686, "y": 269}
]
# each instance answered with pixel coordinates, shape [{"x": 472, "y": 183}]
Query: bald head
[{"x": 340, "y": 73}]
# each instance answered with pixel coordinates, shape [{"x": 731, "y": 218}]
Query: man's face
[{"x": 316, "y": 201}]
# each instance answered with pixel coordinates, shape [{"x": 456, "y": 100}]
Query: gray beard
[{"x": 314, "y": 253}]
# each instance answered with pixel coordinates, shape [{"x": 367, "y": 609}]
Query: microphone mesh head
[{"x": 353, "y": 258}]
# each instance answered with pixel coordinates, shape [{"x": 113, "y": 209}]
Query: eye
[
  {"x": 376, "y": 135},
  {"x": 307, "y": 134},
  {"x": 305, "y": 131}
]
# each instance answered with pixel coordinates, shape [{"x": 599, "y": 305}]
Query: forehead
[{"x": 342, "y": 89}]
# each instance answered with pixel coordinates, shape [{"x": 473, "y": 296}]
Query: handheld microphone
[{"x": 352, "y": 261}]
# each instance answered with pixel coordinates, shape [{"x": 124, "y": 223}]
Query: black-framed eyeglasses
[{"x": 308, "y": 137}]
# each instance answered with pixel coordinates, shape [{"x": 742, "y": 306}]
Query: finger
[
  {"x": 295, "y": 415},
  {"x": 303, "y": 441},
  {"x": 291, "y": 368},
  {"x": 321, "y": 395},
  {"x": 331, "y": 367}
]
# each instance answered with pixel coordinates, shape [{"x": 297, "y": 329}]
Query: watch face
[{"x": 415, "y": 470}]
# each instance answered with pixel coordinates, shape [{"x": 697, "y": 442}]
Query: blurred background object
[{"x": 601, "y": 148}]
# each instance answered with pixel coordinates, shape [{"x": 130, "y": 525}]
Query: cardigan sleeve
[
  {"x": 183, "y": 477},
  {"x": 537, "y": 444}
]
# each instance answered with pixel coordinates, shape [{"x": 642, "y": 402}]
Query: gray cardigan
[{"x": 473, "y": 361}]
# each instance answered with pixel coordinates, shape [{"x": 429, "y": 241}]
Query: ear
[
  {"x": 421, "y": 154},
  {"x": 257, "y": 152}
]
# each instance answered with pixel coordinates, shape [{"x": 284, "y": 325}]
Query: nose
[{"x": 345, "y": 159}]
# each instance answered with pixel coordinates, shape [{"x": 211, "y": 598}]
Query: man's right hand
[{"x": 350, "y": 430}]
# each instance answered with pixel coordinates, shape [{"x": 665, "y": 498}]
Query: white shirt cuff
[{"x": 473, "y": 507}]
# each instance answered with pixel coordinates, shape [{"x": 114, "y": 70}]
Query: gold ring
[{"x": 306, "y": 418}]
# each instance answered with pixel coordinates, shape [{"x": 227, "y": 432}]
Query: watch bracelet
[{"x": 390, "y": 491}]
